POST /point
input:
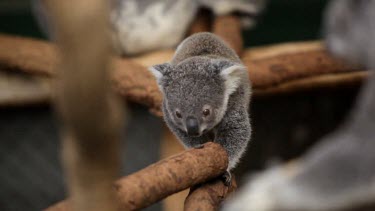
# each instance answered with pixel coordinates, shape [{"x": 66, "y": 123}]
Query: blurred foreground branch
[{"x": 88, "y": 108}]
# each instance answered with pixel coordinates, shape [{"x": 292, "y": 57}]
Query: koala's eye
[
  {"x": 206, "y": 112},
  {"x": 178, "y": 115}
]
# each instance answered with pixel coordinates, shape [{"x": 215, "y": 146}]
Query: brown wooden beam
[
  {"x": 168, "y": 176},
  {"x": 208, "y": 196}
]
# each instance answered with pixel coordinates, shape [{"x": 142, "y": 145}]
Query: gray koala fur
[{"x": 207, "y": 74}]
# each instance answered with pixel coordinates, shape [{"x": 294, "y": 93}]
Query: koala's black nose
[{"x": 192, "y": 126}]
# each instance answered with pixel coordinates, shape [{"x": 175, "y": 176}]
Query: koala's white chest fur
[{"x": 153, "y": 27}]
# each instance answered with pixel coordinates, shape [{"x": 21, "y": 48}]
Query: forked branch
[{"x": 168, "y": 176}]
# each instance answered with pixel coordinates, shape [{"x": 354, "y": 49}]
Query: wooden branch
[
  {"x": 209, "y": 196},
  {"x": 136, "y": 83},
  {"x": 280, "y": 68},
  {"x": 28, "y": 55},
  {"x": 297, "y": 66},
  {"x": 324, "y": 81},
  {"x": 21, "y": 89},
  {"x": 228, "y": 27},
  {"x": 166, "y": 177},
  {"x": 86, "y": 104},
  {"x": 202, "y": 22}
]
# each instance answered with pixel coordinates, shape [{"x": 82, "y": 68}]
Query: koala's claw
[
  {"x": 200, "y": 146},
  {"x": 227, "y": 177}
]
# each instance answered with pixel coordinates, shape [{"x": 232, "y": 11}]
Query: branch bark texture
[
  {"x": 208, "y": 196},
  {"x": 168, "y": 176}
]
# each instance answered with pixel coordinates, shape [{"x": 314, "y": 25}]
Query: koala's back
[{"x": 204, "y": 44}]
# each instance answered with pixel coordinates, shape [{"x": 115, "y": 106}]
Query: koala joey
[{"x": 206, "y": 92}]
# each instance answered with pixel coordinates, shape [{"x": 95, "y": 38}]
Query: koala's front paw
[{"x": 227, "y": 177}]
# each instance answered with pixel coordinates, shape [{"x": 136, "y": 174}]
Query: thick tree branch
[
  {"x": 168, "y": 176},
  {"x": 208, "y": 196}
]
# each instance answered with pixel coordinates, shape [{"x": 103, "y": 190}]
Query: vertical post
[
  {"x": 228, "y": 27},
  {"x": 88, "y": 109}
]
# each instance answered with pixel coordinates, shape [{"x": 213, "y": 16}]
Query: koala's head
[{"x": 196, "y": 91}]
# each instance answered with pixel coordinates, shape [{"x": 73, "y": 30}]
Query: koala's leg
[{"x": 234, "y": 133}]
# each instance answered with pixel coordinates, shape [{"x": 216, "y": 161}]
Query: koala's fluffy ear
[
  {"x": 159, "y": 70},
  {"x": 232, "y": 76}
]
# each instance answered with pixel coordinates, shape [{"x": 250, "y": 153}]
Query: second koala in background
[{"x": 206, "y": 91}]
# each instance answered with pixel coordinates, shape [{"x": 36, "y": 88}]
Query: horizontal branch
[
  {"x": 168, "y": 176},
  {"x": 324, "y": 81},
  {"x": 270, "y": 68},
  {"x": 19, "y": 89}
]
